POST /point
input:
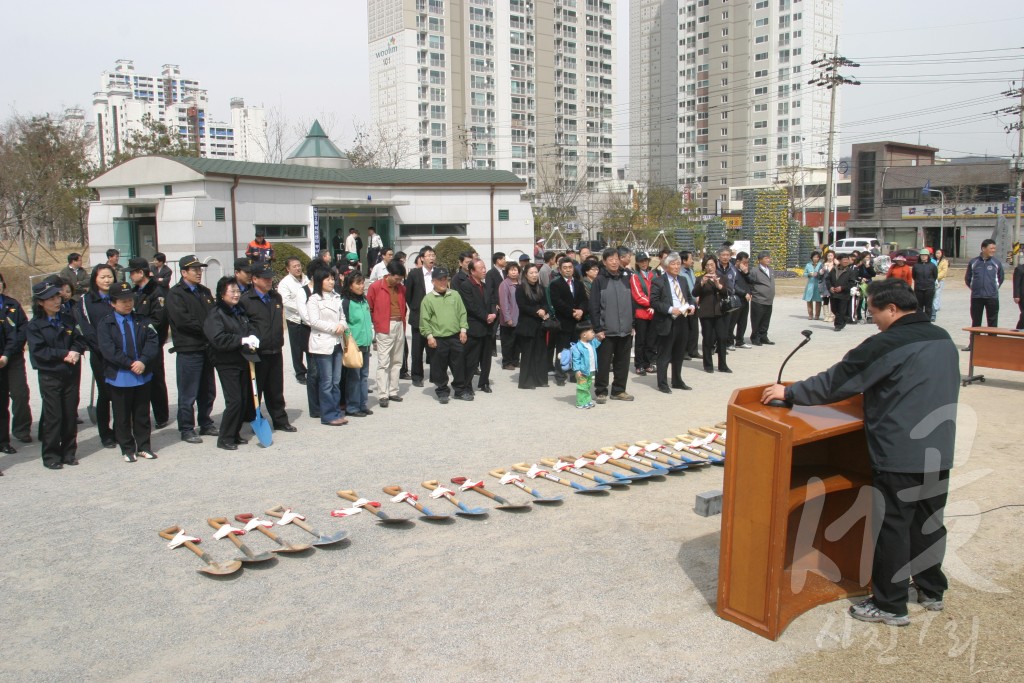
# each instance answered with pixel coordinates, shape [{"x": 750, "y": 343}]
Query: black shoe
[
  {"x": 464, "y": 397},
  {"x": 358, "y": 413},
  {"x": 641, "y": 372},
  {"x": 724, "y": 368},
  {"x": 682, "y": 385},
  {"x": 191, "y": 437},
  {"x": 708, "y": 370},
  {"x": 108, "y": 443},
  {"x": 417, "y": 383},
  {"x": 442, "y": 399},
  {"x": 161, "y": 425},
  {"x": 285, "y": 428},
  {"x": 404, "y": 375},
  {"x": 508, "y": 366},
  {"x": 79, "y": 420},
  {"x": 227, "y": 446},
  {"x": 383, "y": 403},
  {"x": 23, "y": 439},
  {"x": 239, "y": 441},
  {"x": 209, "y": 431},
  {"x": 769, "y": 342},
  {"x": 146, "y": 455},
  {"x": 53, "y": 466},
  {"x": 665, "y": 390},
  {"x": 8, "y": 449},
  {"x": 72, "y": 463},
  {"x": 560, "y": 382},
  {"x": 687, "y": 357},
  {"x": 368, "y": 411},
  {"x": 756, "y": 343},
  {"x": 485, "y": 388},
  {"x": 395, "y": 399}
]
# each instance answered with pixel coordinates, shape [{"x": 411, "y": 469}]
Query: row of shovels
[{"x": 628, "y": 463}]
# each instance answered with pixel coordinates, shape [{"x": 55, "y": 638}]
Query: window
[
  {"x": 725, "y": 48},
  {"x": 432, "y": 229},
  {"x": 725, "y": 65},
  {"x": 725, "y": 32},
  {"x": 168, "y": 190},
  {"x": 218, "y": 213},
  {"x": 761, "y": 91},
  {"x": 502, "y": 214},
  {"x": 725, "y": 164},
  {"x": 761, "y": 73},
  {"x": 760, "y": 56},
  {"x": 725, "y": 148},
  {"x": 760, "y": 107},
  {"x": 761, "y": 4},
  {"x": 760, "y": 142},
  {"x": 725, "y": 98},
  {"x": 287, "y": 232},
  {"x": 131, "y": 193},
  {"x": 760, "y": 39},
  {"x": 725, "y": 132},
  {"x": 758, "y": 158},
  {"x": 760, "y": 124},
  {"x": 725, "y": 115},
  {"x": 761, "y": 22}
]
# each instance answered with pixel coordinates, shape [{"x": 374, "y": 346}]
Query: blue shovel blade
[
  {"x": 618, "y": 481},
  {"x": 261, "y": 428},
  {"x": 465, "y": 510}
]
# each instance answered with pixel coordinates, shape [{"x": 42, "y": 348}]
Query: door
[{"x": 123, "y": 232}]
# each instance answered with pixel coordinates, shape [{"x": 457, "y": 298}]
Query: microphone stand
[{"x": 778, "y": 403}]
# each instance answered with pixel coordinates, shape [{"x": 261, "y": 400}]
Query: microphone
[{"x": 776, "y": 403}]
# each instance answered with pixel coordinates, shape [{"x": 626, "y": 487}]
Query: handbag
[
  {"x": 351, "y": 357},
  {"x": 551, "y": 324},
  {"x": 731, "y": 303}
]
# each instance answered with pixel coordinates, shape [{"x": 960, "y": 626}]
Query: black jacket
[
  {"x": 925, "y": 276},
  {"x": 474, "y": 298},
  {"x": 492, "y": 281},
  {"x": 611, "y": 304},
  {"x": 266, "y": 319},
  {"x": 150, "y": 302},
  {"x": 563, "y": 301},
  {"x": 88, "y": 313},
  {"x": 415, "y": 290},
  {"x": 111, "y": 343},
  {"x": 14, "y": 315},
  {"x": 910, "y": 378},
  {"x": 529, "y": 322},
  {"x": 9, "y": 335},
  {"x": 186, "y": 313},
  {"x": 846, "y": 279},
  {"x": 1018, "y": 282},
  {"x": 661, "y": 301},
  {"x": 49, "y": 345},
  {"x": 163, "y": 276},
  {"x": 224, "y": 329}
]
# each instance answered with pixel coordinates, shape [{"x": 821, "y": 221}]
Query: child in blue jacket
[{"x": 584, "y": 364}]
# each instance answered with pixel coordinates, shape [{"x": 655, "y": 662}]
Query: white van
[{"x": 861, "y": 244}]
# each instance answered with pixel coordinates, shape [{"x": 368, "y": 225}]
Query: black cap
[
  {"x": 244, "y": 264},
  {"x": 121, "y": 290},
  {"x": 190, "y": 261},
  {"x": 439, "y": 274},
  {"x": 138, "y": 263},
  {"x": 642, "y": 256},
  {"x": 45, "y": 290},
  {"x": 261, "y": 270},
  {"x": 524, "y": 257}
]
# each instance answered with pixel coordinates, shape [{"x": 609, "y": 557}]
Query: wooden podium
[{"x": 795, "y": 531}]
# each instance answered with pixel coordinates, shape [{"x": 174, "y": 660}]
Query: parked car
[{"x": 850, "y": 244}]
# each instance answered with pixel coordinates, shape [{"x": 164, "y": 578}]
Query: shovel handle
[
  {"x": 246, "y": 517},
  {"x": 392, "y": 490},
  {"x": 170, "y": 532},
  {"x": 479, "y": 489},
  {"x": 550, "y": 462},
  {"x": 217, "y": 523},
  {"x": 348, "y": 495},
  {"x": 432, "y": 484},
  {"x": 497, "y": 473},
  {"x": 278, "y": 512}
]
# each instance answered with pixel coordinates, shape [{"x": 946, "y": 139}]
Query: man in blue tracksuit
[{"x": 984, "y": 276}]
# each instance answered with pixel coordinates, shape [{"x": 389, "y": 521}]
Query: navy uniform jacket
[
  {"x": 111, "y": 340},
  {"x": 49, "y": 345}
]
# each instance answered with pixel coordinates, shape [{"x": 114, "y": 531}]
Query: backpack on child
[{"x": 565, "y": 359}]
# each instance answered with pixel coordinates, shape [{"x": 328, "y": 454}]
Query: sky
[{"x": 309, "y": 60}]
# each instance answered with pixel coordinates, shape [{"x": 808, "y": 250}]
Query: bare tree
[
  {"x": 281, "y": 137},
  {"x": 377, "y": 146}
]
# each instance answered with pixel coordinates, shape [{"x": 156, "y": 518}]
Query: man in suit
[
  {"x": 481, "y": 314},
  {"x": 762, "y": 295},
  {"x": 567, "y": 299},
  {"x": 495, "y": 276},
  {"x": 673, "y": 305},
  {"x": 417, "y": 285}
]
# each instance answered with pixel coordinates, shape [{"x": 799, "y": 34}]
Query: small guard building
[{"x": 213, "y": 207}]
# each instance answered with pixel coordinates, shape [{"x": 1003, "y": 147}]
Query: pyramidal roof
[{"x": 317, "y": 145}]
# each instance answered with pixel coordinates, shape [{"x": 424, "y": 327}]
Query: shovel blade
[
  {"x": 253, "y": 557},
  {"x": 261, "y": 428},
  {"x": 592, "y": 489},
  {"x": 293, "y": 548},
  {"x": 325, "y": 539},
  {"x": 221, "y": 568},
  {"x": 471, "y": 512}
]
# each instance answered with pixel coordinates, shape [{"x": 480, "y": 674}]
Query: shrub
[
  {"x": 282, "y": 252},
  {"x": 448, "y": 251}
]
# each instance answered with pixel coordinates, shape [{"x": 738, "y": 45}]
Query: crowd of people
[{"x": 572, "y": 316}]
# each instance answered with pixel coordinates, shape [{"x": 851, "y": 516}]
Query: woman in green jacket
[{"x": 360, "y": 332}]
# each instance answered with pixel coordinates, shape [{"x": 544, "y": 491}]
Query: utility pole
[
  {"x": 829, "y": 77},
  {"x": 1018, "y": 162}
]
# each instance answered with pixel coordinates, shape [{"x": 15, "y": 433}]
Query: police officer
[
  {"x": 150, "y": 300},
  {"x": 265, "y": 310}
]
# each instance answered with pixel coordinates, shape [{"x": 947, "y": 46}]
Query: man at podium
[{"x": 910, "y": 377}]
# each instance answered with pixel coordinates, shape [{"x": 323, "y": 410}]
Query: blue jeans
[
  {"x": 328, "y": 370},
  {"x": 357, "y": 384},
  {"x": 196, "y": 385}
]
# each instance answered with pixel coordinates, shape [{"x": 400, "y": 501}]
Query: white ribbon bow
[
  {"x": 465, "y": 486},
  {"x": 288, "y": 517},
  {"x": 652, "y": 447},
  {"x": 560, "y": 466},
  {"x": 441, "y": 492},
  {"x": 362, "y": 502},
  {"x": 256, "y": 521},
  {"x": 602, "y": 459},
  {"x": 618, "y": 453},
  {"x": 180, "y": 539},
  {"x": 227, "y": 529},
  {"x": 581, "y": 463},
  {"x": 536, "y": 472},
  {"x": 511, "y": 478},
  {"x": 633, "y": 450},
  {"x": 406, "y": 497},
  {"x": 346, "y": 512}
]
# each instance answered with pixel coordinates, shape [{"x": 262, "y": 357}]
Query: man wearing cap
[
  {"x": 188, "y": 304},
  {"x": 243, "y": 273},
  {"x": 925, "y": 274},
  {"x": 150, "y": 304},
  {"x": 260, "y": 250},
  {"x": 55, "y": 348},
  {"x": 443, "y": 322},
  {"x": 129, "y": 346},
  {"x": 75, "y": 275},
  {"x": 762, "y": 297},
  {"x": 265, "y": 310},
  {"x": 290, "y": 289}
]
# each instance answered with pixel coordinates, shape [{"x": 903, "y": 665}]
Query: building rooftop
[{"x": 317, "y": 145}]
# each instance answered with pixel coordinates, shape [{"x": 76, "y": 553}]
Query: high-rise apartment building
[
  {"x": 719, "y": 92},
  {"x": 125, "y": 97},
  {"x": 518, "y": 85}
]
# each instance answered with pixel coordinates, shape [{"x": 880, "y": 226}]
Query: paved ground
[{"x": 620, "y": 586}]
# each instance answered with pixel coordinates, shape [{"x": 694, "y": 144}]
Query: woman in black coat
[
  {"x": 225, "y": 328},
  {"x": 714, "y": 324},
  {"x": 530, "y": 333},
  {"x": 94, "y": 307}
]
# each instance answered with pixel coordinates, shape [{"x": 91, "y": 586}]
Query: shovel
[
  {"x": 535, "y": 472},
  {"x": 211, "y": 567},
  {"x": 260, "y": 426},
  {"x": 655, "y": 451},
  {"x": 633, "y": 453},
  {"x": 714, "y": 455},
  {"x": 395, "y": 491},
  {"x": 616, "y": 456},
  {"x": 247, "y": 554},
  {"x": 246, "y": 517},
  {"x": 681, "y": 447},
  {"x": 442, "y": 492},
  {"x": 374, "y": 509},
  {"x": 588, "y": 461},
  {"x": 708, "y": 442},
  {"x": 278, "y": 511},
  {"x": 562, "y": 466},
  {"x": 502, "y": 503},
  {"x": 517, "y": 481},
  {"x": 92, "y": 402}
]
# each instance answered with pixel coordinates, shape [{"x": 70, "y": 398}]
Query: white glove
[{"x": 252, "y": 341}]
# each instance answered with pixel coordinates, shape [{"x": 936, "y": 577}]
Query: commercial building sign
[{"x": 988, "y": 210}]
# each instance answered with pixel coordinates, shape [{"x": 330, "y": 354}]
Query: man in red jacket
[
  {"x": 643, "y": 314},
  {"x": 386, "y": 298}
]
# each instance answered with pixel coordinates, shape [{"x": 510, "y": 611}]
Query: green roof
[
  {"x": 316, "y": 145},
  {"x": 350, "y": 176}
]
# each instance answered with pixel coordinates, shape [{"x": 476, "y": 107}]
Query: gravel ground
[{"x": 616, "y": 586}]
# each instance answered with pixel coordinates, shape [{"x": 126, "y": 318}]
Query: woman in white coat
[{"x": 327, "y": 331}]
